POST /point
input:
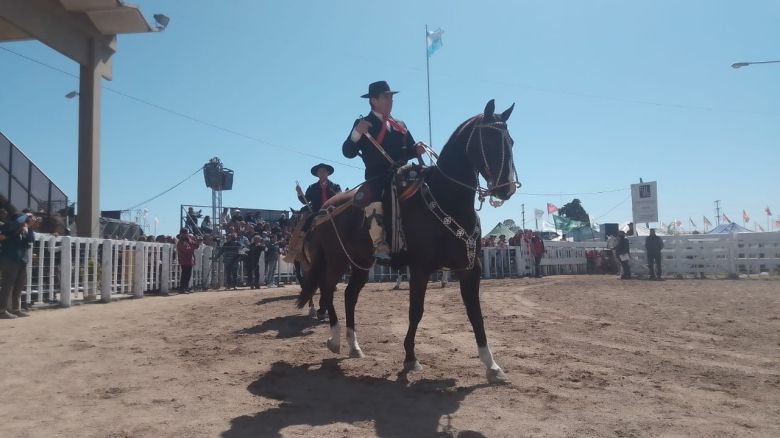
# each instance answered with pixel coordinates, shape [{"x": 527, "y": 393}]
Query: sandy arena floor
[{"x": 588, "y": 356}]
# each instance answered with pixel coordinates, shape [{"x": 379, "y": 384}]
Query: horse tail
[{"x": 311, "y": 279}]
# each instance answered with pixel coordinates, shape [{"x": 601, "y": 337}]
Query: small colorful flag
[
  {"x": 726, "y": 219},
  {"x": 692, "y": 224},
  {"x": 538, "y": 213},
  {"x": 768, "y": 211},
  {"x": 434, "y": 41},
  {"x": 551, "y": 208},
  {"x": 707, "y": 221},
  {"x": 745, "y": 216},
  {"x": 760, "y": 228},
  {"x": 678, "y": 223}
]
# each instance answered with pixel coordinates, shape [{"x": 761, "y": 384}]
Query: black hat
[
  {"x": 323, "y": 165},
  {"x": 377, "y": 88}
]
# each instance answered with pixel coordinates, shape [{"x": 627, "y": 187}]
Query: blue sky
[{"x": 606, "y": 92}]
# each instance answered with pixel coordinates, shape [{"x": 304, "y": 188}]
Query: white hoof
[
  {"x": 412, "y": 366},
  {"x": 356, "y": 353},
  {"x": 334, "y": 346},
  {"x": 497, "y": 376}
]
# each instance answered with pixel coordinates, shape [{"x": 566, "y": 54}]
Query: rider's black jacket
[
  {"x": 314, "y": 194},
  {"x": 400, "y": 147}
]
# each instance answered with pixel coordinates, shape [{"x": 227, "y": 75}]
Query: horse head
[{"x": 489, "y": 150}]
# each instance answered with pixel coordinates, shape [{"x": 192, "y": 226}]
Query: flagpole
[{"x": 428, "y": 76}]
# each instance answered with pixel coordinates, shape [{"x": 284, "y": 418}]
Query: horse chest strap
[{"x": 470, "y": 239}]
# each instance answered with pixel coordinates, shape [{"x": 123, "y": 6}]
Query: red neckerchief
[
  {"x": 389, "y": 120},
  {"x": 324, "y": 188}
]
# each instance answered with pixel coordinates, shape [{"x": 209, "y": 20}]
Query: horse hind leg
[
  {"x": 357, "y": 280},
  {"x": 469, "y": 292}
]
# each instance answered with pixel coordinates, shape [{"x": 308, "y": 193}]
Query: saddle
[{"x": 408, "y": 179}]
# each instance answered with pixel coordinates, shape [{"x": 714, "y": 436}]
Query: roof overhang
[{"x": 83, "y": 30}]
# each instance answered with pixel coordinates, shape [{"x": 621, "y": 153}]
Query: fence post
[
  {"x": 139, "y": 280},
  {"x": 106, "y": 270},
  {"x": 732, "y": 252},
  {"x": 93, "y": 257},
  {"x": 65, "y": 272},
  {"x": 165, "y": 275}
]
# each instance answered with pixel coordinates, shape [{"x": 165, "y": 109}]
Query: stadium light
[{"x": 162, "y": 21}]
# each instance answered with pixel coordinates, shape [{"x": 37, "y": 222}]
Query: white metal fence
[
  {"x": 723, "y": 254},
  {"x": 64, "y": 269}
]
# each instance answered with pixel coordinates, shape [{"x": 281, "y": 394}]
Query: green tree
[{"x": 573, "y": 210}]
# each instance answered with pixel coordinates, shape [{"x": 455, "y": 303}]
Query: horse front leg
[
  {"x": 418, "y": 283},
  {"x": 356, "y": 282},
  {"x": 469, "y": 292}
]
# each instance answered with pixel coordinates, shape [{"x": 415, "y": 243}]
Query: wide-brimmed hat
[
  {"x": 323, "y": 165},
  {"x": 377, "y": 88}
]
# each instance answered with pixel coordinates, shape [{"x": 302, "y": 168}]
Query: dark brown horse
[{"x": 441, "y": 228}]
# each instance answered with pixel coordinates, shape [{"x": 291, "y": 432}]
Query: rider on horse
[{"x": 384, "y": 144}]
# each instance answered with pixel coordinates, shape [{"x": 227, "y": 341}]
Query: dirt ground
[{"x": 588, "y": 356}]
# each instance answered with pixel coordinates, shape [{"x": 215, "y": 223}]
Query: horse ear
[
  {"x": 490, "y": 108},
  {"x": 505, "y": 115}
]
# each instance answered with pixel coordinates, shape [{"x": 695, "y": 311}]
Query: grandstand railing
[{"x": 62, "y": 270}]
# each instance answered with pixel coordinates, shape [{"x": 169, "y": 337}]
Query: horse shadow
[
  {"x": 321, "y": 395},
  {"x": 275, "y": 299},
  {"x": 292, "y": 326}
]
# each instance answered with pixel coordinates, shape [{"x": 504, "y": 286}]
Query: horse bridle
[{"x": 483, "y": 193}]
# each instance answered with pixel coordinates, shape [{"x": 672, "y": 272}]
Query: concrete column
[{"x": 88, "y": 193}]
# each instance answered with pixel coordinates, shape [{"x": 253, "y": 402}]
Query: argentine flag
[{"x": 434, "y": 41}]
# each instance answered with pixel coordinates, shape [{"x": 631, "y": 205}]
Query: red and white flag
[
  {"x": 760, "y": 228},
  {"x": 777, "y": 224},
  {"x": 745, "y": 216},
  {"x": 707, "y": 221},
  {"x": 768, "y": 211},
  {"x": 726, "y": 219},
  {"x": 551, "y": 208}
]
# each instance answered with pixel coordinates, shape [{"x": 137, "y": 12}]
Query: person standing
[
  {"x": 536, "y": 246},
  {"x": 653, "y": 247},
  {"x": 17, "y": 237},
  {"x": 397, "y": 143},
  {"x": 623, "y": 251},
  {"x": 185, "y": 249},
  {"x": 271, "y": 261},
  {"x": 229, "y": 253},
  {"x": 253, "y": 261}
]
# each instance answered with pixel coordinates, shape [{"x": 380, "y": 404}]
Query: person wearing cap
[
  {"x": 396, "y": 141},
  {"x": 322, "y": 190}
]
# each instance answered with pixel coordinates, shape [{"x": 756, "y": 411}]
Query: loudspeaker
[{"x": 610, "y": 230}]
